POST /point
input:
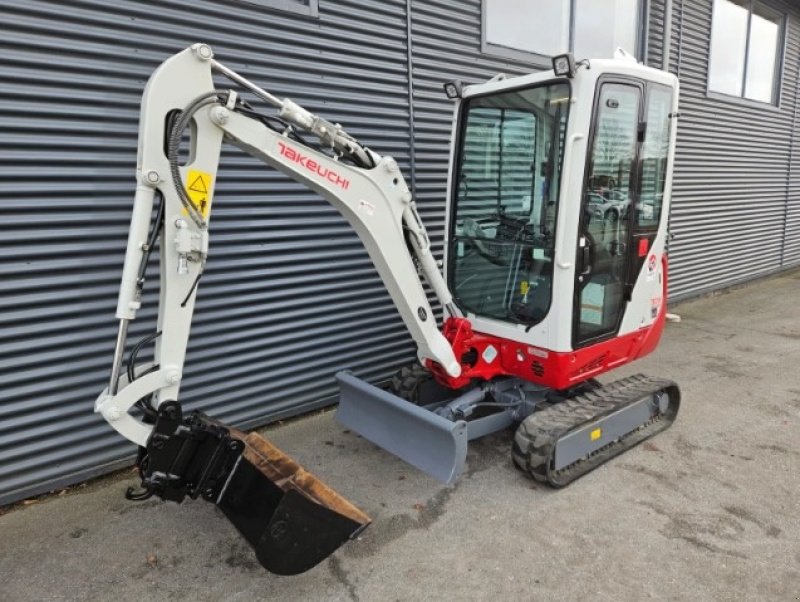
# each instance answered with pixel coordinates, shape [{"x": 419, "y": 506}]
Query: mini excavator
[{"x": 554, "y": 273}]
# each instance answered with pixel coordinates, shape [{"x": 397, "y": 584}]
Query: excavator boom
[{"x": 290, "y": 517}]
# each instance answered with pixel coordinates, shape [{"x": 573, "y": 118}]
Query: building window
[
  {"x": 587, "y": 28},
  {"x": 309, "y": 8},
  {"x": 745, "y": 50}
]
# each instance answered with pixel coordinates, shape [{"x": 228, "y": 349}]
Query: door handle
[{"x": 586, "y": 260}]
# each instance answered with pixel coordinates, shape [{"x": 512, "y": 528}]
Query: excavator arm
[{"x": 292, "y": 520}]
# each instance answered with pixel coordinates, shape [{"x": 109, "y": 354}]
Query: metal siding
[
  {"x": 289, "y": 296},
  {"x": 655, "y": 26},
  {"x": 446, "y": 45},
  {"x": 791, "y": 234},
  {"x": 734, "y": 206}
]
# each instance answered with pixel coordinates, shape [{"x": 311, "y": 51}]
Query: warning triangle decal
[{"x": 198, "y": 185}]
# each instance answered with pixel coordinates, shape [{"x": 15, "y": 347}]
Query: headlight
[{"x": 564, "y": 65}]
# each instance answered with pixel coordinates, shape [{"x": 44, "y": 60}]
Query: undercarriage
[{"x": 560, "y": 435}]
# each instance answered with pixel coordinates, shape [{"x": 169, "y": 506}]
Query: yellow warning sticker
[
  {"x": 595, "y": 434},
  {"x": 199, "y": 185},
  {"x": 524, "y": 286}
]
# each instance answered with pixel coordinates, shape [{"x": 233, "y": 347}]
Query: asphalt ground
[{"x": 708, "y": 510}]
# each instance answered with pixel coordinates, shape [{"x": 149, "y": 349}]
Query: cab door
[{"x": 610, "y": 193}]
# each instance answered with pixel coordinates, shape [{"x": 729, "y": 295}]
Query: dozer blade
[
  {"x": 425, "y": 440},
  {"x": 292, "y": 519}
]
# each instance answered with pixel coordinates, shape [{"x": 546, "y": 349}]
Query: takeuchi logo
[{"x": 311, "y": 165}]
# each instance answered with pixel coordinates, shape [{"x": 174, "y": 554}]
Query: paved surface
[{"x": 709, "y": 510}]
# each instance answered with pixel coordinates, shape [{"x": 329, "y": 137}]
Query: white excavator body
[{"x": 554, "y": 273}]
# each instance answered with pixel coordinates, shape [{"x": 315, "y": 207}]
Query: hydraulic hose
[{"x": 173, "y": 149}]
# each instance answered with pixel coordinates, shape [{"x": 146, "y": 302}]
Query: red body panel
[{"x": 557, "y": 370}]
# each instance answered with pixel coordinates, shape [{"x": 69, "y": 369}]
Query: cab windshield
[{"x": 506, "y": 191}]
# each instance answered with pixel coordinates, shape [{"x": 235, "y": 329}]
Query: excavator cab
[
  {"x": 555, "y": 255},
  {"x": 521, "y": 149}
]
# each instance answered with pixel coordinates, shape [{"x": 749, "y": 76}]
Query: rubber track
[{"x": 535, "y": 439}]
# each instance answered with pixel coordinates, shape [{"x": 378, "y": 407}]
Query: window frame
[
  {"x": 543, "y": 60},
  {"x": 780, "y": 61},
  {"x": 641, "y": 85},
  {"x": 636, "y": 225},
  {"x": 289, "y": 6},
  {"x": 450, "y": 255}
]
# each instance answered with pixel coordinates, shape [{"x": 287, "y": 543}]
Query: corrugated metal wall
[
  {"x": 655, "y": 32},
  {"x": 446, "y": 45},
  {"x": 791, "y": 234},
  {"x": 289, "y": 296},
  {"x": 736, "y": 201}
]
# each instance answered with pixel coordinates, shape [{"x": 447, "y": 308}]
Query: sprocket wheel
[{"x": 411, "y": 382}]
